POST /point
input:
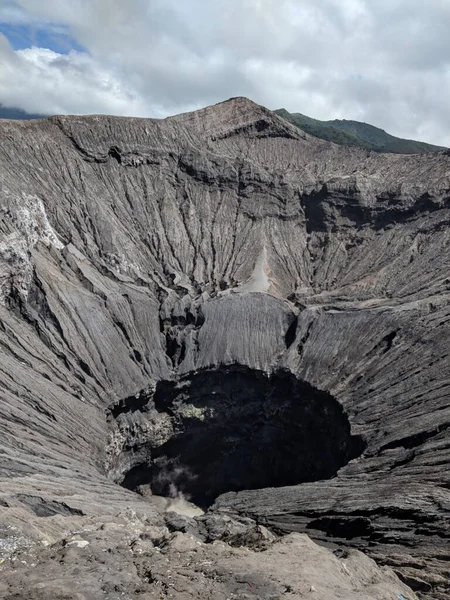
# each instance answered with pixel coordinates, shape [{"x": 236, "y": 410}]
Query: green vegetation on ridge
[{"x": 355, "y": 133}]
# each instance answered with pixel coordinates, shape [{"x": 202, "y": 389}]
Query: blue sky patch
[{"x": 51, "y": 36}]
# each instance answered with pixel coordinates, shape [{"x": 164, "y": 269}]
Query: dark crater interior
[{"x": 236, "y": 428}]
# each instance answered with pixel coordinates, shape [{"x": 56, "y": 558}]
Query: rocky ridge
[{"x": 139, "y": 255}]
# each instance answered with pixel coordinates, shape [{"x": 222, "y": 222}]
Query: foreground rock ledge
[{"x": 136, "y": 254}]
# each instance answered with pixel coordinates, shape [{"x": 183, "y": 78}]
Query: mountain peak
[{"x": 236, "y": 115}]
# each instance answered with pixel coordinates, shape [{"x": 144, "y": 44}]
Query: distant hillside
[
  {"x": 355, "y": 133},
  {"x": 17, "y": 113}
]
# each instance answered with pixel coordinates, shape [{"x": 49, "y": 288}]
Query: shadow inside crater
[{"x": 235, "y": 428}]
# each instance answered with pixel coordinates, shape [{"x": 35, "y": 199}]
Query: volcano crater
[{"x": 230, "y": 428}]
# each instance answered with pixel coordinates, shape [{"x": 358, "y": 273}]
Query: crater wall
[{"x": 135, "y": 252}]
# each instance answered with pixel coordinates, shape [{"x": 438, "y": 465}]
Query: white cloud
[
  {"x": 47, "y": 82},
  {"x": 385, "y": 62}
]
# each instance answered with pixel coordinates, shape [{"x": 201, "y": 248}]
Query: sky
[{"x": 385, "y": 62}]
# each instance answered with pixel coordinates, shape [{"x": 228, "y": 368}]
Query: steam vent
[{"x": 224, "y": 362}]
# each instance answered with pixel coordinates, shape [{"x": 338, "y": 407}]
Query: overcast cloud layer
[{"x": 386, "y": 62}]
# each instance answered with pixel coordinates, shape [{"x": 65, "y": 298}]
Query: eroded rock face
[{"x": 139, "y": 255}]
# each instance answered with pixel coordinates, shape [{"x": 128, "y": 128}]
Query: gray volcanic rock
[
  {"x": 221, "y": 276},
  {"x": 125, "y": 558}
]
